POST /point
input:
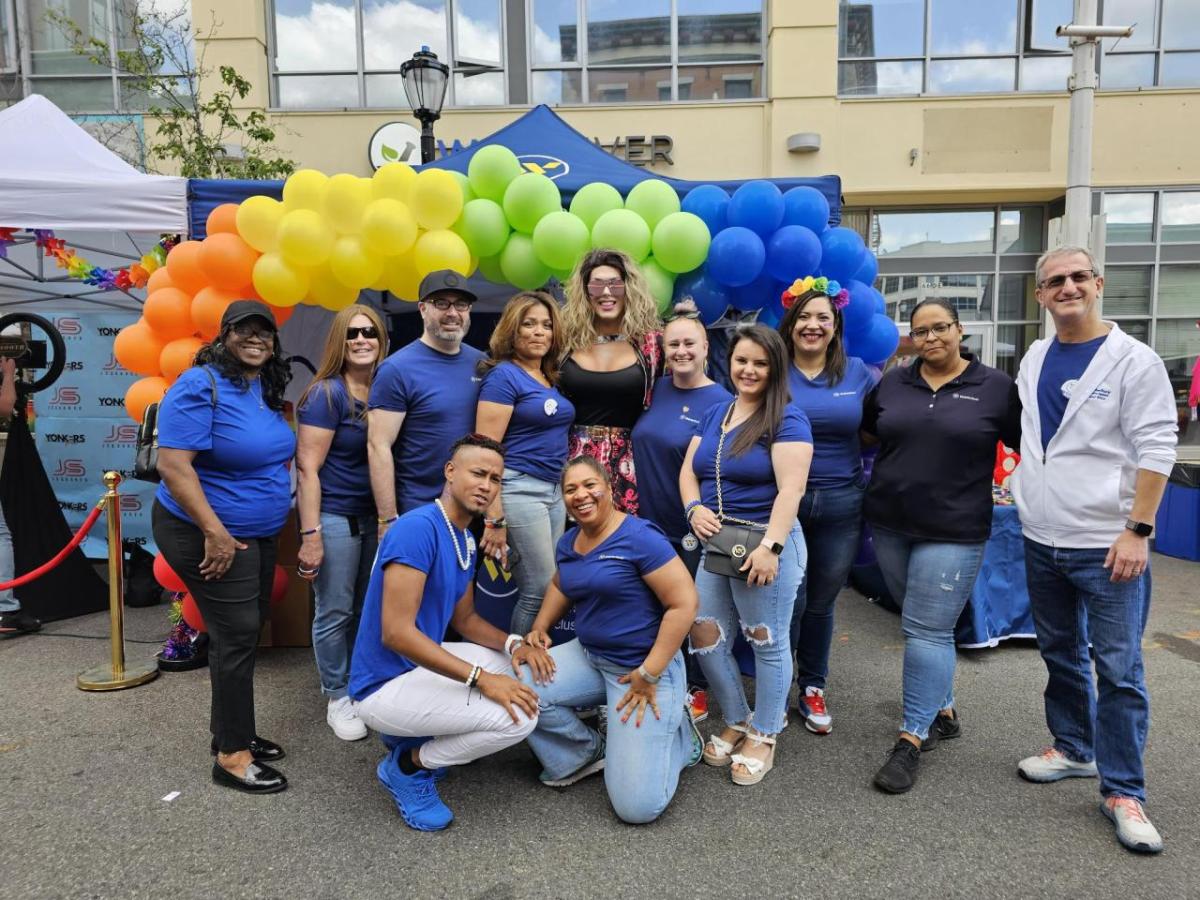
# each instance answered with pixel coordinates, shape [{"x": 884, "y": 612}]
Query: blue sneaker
[
  {"x": 416, "y": 796},
  {"x": 697, "y": 739},
  {"x": 394, "y": 742}
]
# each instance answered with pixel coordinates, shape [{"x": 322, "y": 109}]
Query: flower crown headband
[{"x": 837, "y": 294}]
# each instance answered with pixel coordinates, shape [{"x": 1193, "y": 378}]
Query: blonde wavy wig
[{"x": 641, "y": 312}]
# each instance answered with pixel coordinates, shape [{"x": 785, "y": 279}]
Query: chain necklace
[
  {"x": 610, "y": 338},
  {"x": 720, "y": 497},
  {"x": 463, "y": 562}
]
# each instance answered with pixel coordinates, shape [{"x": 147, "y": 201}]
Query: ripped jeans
[
  {"x": 932, "y": 582},
  {"x": 764, "y": 615}
]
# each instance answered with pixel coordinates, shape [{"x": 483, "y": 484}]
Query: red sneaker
[
  {"x": 816, "y": 716},
  {"x": 697, "y": 701}
]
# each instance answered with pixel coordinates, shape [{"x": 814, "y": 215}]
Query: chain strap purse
[{"x": 726, "y": 551}]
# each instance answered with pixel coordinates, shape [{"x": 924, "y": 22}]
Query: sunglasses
[
  {"x": 614, "y": 288},
  {"x": 368, "y": 331},
  {"x": 687, "y": 314},
  {"x": 1083, "y": 276}
]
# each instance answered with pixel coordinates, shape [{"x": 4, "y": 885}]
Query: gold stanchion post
[{"x": 115, "y": 675}]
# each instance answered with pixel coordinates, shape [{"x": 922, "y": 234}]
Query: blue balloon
[
  {"x": 772, "y": 313},
  {"x": 880, "y": 341},
  {"x": 710, "y": 203},
  {"x": 880, "y": 302},
  {"x": 806, "y": 206},
  {"x": 710, "y": 298},
  {"x": 869, "y": 270},
  {"x": 793, "y": 252},
  {"x": 757, "y": 293},
  {"x": 757, "y": 205},
  {"x": 841, "y": 253},
  {"x": 859, "y": 312},
  {"x": 735, "y": 256}
]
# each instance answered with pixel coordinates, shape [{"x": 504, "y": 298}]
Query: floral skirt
[{"x": 613, "y": 449}]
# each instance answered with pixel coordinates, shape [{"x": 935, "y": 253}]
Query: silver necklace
[
  {"x": 609, "y": 338},
  {"x": 463, "y": 562}
]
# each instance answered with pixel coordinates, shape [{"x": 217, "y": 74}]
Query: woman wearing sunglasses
[
  {"x": 333, "y": 497},
  {"x": 613, "y": 355}
]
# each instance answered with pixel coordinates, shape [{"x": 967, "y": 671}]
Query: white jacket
[{"x": 1120, "y": 418}]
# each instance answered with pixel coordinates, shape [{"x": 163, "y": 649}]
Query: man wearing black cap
[{"x": 422, "y": 400}]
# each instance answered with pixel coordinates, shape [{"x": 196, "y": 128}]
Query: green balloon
[
  {"x": 491, "y": 169},
  {"x": 562, "y": 275},
  {"x": 595, "y": 199},
  {"x": 465, "y": 183},
  {"x": 681, "y": 242},
  {"x": 625, "y": 230},
  {"x": 520, "y": 264},
  {"x": 560, "y": 240},
  {"x": 528, "y": 198},
  {"x": 489, "y": 268},
  {"x": 653, "y": 200},
  {"x": 661, "y": 284},
  {"x": 483, "y": 226}
]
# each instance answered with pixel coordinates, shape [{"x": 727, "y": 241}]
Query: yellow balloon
[
  {"x": 436, "y": 199},
  {"x": 393, "y": 181},
  {"x": 388, "y": 227},
  {"x": 345, "y": 199},
  {"x": 402, "y": 277},
  {"x": 258, "y": 221},
  {"x": 304, "y": 238},
  {"x": 325, "y": 290},
  {"x": 353, "y": 264},
  {"x": 279, "y": 283},
  {"x": 304, "y": 189},
  {"x": 441, "y": 249}
]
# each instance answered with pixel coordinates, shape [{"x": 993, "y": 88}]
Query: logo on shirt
[
  {"x": 965, "y": 397},
  {"x": 613, "y": 556},
  {"x": 683, "y": 418},
  {"x": 550, "y": 406},
  {"x": 845, "y": 393},
  {"x": 1102, "y": 392},
  {"x": 475, "y": 379},
  {"x": 1068, "y": 387},
  {"x": 689, "y": 542},
  {"x": 470, "y": 544}
]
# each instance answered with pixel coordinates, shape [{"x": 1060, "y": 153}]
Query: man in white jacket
[{"x": 1098, "y": 433}]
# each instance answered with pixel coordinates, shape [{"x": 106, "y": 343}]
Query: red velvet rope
[{"x": 75, "y": 542}]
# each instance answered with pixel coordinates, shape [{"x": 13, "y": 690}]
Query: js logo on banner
[
  {"x": 69, "y": 327},
  {"x": 121, "y": 436},
  {"x": 70, "y": 468},
  {"x": 65, "y": 398},
  {"x": 112, "y": 367},
  {"x": 130, "y": 504}
]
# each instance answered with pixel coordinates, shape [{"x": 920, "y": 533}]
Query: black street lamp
[{"x": 425, "y": 86}]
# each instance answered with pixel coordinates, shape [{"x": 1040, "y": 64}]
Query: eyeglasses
[
  {"x": 920, "y": 334},
  {"x": 615, "y": 288},
  {"x": 249, "y": 329},
  {"x": 441, "y": 304},
  {"x": 1083, "y": 276},
  {"x": 368, "y": 331}
]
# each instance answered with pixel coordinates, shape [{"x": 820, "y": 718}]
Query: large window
[
  {"x": 8, "y": 37},
  {"x": 1164, "y": 50}
]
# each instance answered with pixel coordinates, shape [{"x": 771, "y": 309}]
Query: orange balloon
[
  {"x": 177, "y": 356},
  {"x": 137, "y": 348},
  {"x": 142, "y": 393},
  {"x": 228, "y": 261},
  {"x": 169, "y": 312},
  {"x": 207, "y": 308},
  {"x": 223, "y": 219},
  {"x": 281, "y": 313},
  {"x": 159, "y": 278},
  {"x": 183, "y": 264}
]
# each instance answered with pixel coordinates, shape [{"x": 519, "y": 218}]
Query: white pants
[{"x": 463, "y": 723}]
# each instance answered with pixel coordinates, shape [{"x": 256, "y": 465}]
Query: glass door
[{"x": 980, "y": 339}]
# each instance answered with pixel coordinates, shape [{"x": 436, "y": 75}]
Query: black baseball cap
[
  {"x": 446, "y": 280},
  {"x": 240, "y": 310}
]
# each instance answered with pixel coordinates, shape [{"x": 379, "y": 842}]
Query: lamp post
[{"x": 425, "y": 82}]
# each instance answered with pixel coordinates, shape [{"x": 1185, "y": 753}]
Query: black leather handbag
[
  {"x": 145, "y": 458},
  {"x": 726, "y": 551}
]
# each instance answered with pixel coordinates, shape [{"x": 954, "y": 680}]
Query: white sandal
[
  {"x": 722, "y": 750},
  {"x": 756, "y": 769}
]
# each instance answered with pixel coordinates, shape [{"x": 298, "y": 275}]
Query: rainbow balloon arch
[{"x": 333, "y": 236}]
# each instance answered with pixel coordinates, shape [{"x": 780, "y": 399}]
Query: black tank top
[{"x": 604, "y": 398}]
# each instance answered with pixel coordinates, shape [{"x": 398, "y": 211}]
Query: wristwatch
[
  {"x": 1141, "y": 529},
  {"x": 774, "y": 546}
]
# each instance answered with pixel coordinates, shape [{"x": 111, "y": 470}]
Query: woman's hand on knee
[
  {"x": 541, "y": 663},
  {"x": 510, "y": 694}
]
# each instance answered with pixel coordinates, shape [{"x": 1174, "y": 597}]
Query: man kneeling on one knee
[{"x": 437, "y": 704}]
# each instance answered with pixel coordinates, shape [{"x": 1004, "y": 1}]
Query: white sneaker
[
  {"x": 1134, "y": 830},
  {"x": 816, "y": 716},
  {"x": 344, "y": 720},
  {"x": 1050, "y": 765}
]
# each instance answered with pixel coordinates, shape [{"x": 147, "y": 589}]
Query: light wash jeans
[
  {"x": 932, "y": 581},
  {"x": 536, "y": 518},
  {"x": 732, "y": 603},
  {"x": 8, "y": 600},
  {"x": 642, "y": 765},
  {"x": 340, "y": 587}
]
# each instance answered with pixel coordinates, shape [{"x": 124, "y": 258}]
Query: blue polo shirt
[
  {"x": 536, "y": 440},
  {"x": 835, "y": 413},
  {"x": 242, "y": 451},
  {"x": 345, "y": 479},
  {"x": 437, "y": 392},
  {"x": 421, "y": 540},
  {"x": 660, "y": 441},
  {"x": 617, "y": 616},
  {"x": 1062, "y": 368}
]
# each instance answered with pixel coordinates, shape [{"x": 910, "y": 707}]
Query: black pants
[{"x": 234, "y": 607}]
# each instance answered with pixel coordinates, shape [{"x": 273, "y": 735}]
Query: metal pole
[
  {"x": 428, "y": 147},
  {"x": 1077, "y": 227}
]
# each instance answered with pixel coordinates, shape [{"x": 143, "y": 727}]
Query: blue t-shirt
[
  {"x": 536, "y": 440},
  {"x": 616, "y": 614},
  {"x": 660, "y": 440},
  {"x": 243, "y": 450},
  {"x": 835, "y": 413},
  {"x": 1063, "y": 366},
  {"x": 345, "y": 479},
  {"x": 747, "y": 481},
  {"x": 437, "y": 393},
  {"x": 421, "y": 540}
]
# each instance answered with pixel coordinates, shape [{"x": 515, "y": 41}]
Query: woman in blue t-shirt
[
  {"x": 224, "y": 449},
  {"x": 741, "y": 483},
  {"x": 830, "y": 387},
  {"x": 634, "y": 603},
  {"x": 521, "y": 407},
  {"x": 338, "y": 534}
]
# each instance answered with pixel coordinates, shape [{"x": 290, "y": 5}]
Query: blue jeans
[
  {"x": 536, "y": 518},
  {"x": 932, "y": 581},
  {"x": 8, "y": 601},
  {"x": 642, "y": 765},
  {"x": 1074, "y": 603},
  {"x": 730, "y": 602},
  {"x": 832, "y": 523},
  {"x": 340, "y": 587}
]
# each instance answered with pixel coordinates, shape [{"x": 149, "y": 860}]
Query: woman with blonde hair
[
  {"x": 333, "y": 498},
  {"x": 520, "y": 407},
  {"x": 613, "y": 347}
]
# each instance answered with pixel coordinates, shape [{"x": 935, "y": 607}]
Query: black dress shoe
[
  {"x": 259, "y": 779},
  {"x": 261, "y": 749}
]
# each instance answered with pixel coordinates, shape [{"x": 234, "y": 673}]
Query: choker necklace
[
  {"x": 609, "y": 338},
  {"x": 462, "y": 563}
]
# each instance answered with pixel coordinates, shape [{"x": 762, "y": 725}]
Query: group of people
[{"x": 589, "y": 452}]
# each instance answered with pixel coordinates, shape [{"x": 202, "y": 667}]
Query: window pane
[
  {"x": 973, "y": 27},
  {"x": 872, "y": 79},
  {"x": 315, "y": 36},
  {"x": 1180, "y": 70},
  {"x": 553, "y": 88},
  {"x": 1045, "y": 73},
  {"x": 474, "y": 88},
  {"x": 1178, "y": 288},
  {"x": 1181, "y": 24},
  {"x": 50, "y": 50},
  {"x": 1178, "y": 339},
  {"x": 395, "y": 29},
  {"x": 77, "y": 94},
  {"x": 970, "y": 294},
  {"x": 1047, "y": 16},
  {"x": 881, "y": 28},
  {"x": 1127, "y": 291},
  {"x": 134, "y": 98},
  {"x": 318, "y": 91},
  {"x": 1125, "y": 71},
  {"x": 719, "y": 82},
  {"x": 971, "y": 76},
  {"x": 730, "y": 29},
  {"x": 1132, "y": 12},
  {"x": 1021, "y": 230},
  {"x": 1181, "y": 217},
  {"x": 7, "y": 41},
  {"x": 613, "y": 37},
  {"x": 1016, "y": 300},
  {"x": 477, "y": 32},
  {"x": 1138, "y": 330},
  {"x": 625, "y": 85},
  {"x": 1130, "y": 218},
  {"x": 386, "y": 91},
  {"x": 555, "y": 31},
  {"x": 1012, "y": 342},
  {"x": 933, "y": 233}
]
